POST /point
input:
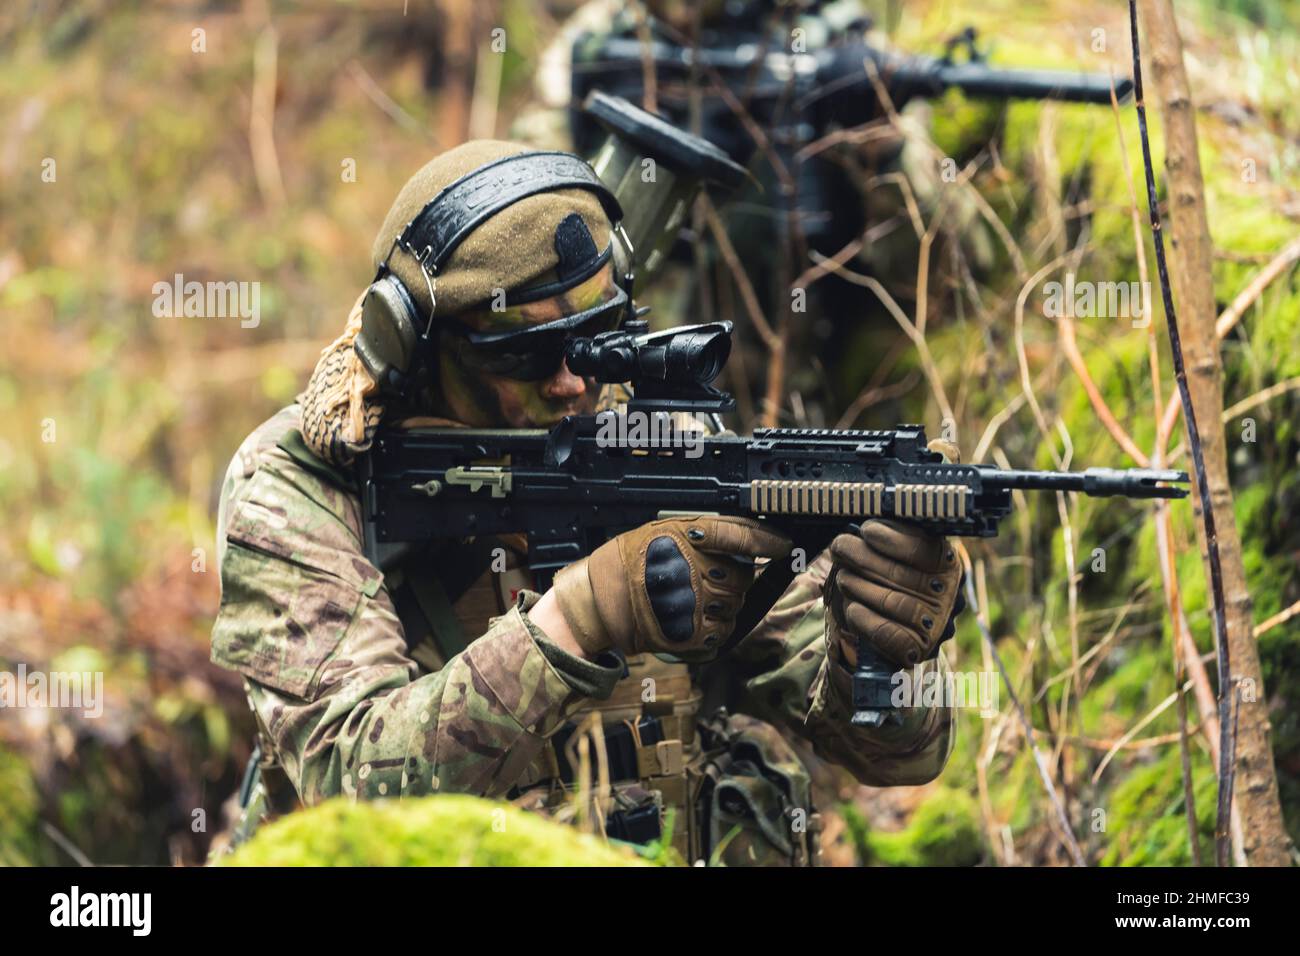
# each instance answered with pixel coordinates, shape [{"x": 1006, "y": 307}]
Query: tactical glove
[
  {"x": 667, "y": 587},
  {"x": 895, "y": 585}
]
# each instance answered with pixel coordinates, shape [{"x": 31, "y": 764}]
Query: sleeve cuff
[{"x": 593, "y": 679}]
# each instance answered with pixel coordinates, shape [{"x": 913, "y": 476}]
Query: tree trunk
[
  {"x": 458, "y": 50},
  {"x": 1191, "y": 271}
]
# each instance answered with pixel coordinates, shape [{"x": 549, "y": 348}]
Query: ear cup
[{"x": 388, "y": 334}]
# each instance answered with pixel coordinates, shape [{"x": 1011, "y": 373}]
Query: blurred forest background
[{"x": 232, "y": 164}]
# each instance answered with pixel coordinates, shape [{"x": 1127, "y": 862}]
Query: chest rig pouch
[
  {"x": 647, "y": 737},
  {"x": 754, "y": 797}
]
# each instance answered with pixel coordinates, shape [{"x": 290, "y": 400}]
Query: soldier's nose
[{"x": 563, "y": 384}]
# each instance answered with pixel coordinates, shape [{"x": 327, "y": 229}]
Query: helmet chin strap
[{"x": 428, "y": 282}]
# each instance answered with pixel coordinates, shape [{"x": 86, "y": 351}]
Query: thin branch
[
  {"x": 66, "y": 845},
  {"x": 385, "y": 102},
  {"x": 1025, "y": 383},
  {"x": 1281, "y": 617},
  {"x": 923, "y": 349},
  {"x": 649, "y": 78},
  {"x": 1230, "y": 316},
  {"x": 1260, "y": 397},
  {"x": 1233, "y": 314},
  {"x": 1071, "y": 348},
  {"x": 261, "y": 121},
  {"x": 747, "y": 294},
  {"x": 995, "y": 423},
  {"x": 1136, "y": 729}
]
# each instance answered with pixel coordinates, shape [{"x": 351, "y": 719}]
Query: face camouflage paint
[
  {"x": 506, "y": 367},
  {"x": 532, "y": 353}
]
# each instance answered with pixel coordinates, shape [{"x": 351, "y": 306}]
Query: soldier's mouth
[
  {"x": 546, "y": 421},
  {"x": 554, "y": 413}
]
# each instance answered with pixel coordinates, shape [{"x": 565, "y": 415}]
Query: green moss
[
  {"x": 1146, "y": 823},
  {"x": 434, "y": 831},
  {"x": 19, "y": 806},
  {"x": 944, "y": 831}
]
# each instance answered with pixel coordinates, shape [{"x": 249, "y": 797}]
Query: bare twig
[
  {"x": 486, "y": 100},
  {"x": 923, "y": 349},
  {"x": 384, "y": 101},
  {"x": 1136, "y": 728},
  {"x": 995, "y": 423},
  {"x": 1233, "y": 314},
  {"x": 1230, "y": 316},
  {"x": 870, "y": 396},
  {"x": 649, "y": 79},
  {"x": 746, "y": 288},
  {"x": 261, "y": 121},
  {"x": 1025, "y": 384},
  {"x": 1281, "y": 617},
  {"x": 66, "y": 845},
  {"x": 1107, "y": 418}
]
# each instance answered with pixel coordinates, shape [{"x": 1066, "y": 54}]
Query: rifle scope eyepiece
[{"x": 689, "y": 356}]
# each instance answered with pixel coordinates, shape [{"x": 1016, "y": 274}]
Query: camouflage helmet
[
  {"x": 548, "y": 241},
  {"x": 512, "y": 250},
  {"x": 517, "y": 222}
]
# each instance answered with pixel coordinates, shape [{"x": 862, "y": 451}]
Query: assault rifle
[
  {"x": 570, "y": 488},
  {"x": 797, "y": 82}
]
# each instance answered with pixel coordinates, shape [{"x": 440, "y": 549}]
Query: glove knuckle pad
[{"x": 668, "y": 584}]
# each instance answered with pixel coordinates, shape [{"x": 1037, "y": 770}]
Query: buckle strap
[{"x": 662, "y": 759}]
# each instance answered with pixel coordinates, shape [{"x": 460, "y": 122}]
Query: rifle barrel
[
  {"x": 979, "y": 80},
  {"x": 1097, "y": 482}
]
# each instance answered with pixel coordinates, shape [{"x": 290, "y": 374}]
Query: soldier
[
  {"x": 865, "y": 187},
  {"x": 443, "y": 671}
]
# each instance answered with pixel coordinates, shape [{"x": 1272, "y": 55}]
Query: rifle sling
[
  {"x": 434, "y": 581},
  {"x": 293, "y": 445}
]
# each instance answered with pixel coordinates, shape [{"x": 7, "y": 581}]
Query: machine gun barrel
[
  {"x": 1096, "y": 482},
  {"x": 842, "y": 75},
  {"x": 979, "y": 80}
]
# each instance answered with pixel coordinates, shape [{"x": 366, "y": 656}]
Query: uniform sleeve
[
  {"x": 781, "y": 673},
  {"x": 305, "y": 617}
]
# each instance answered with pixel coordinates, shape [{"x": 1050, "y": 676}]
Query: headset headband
[{"x": 460, "y": 208}]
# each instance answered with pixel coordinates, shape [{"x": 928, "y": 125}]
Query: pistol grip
[{"x": 873, "y": 687}]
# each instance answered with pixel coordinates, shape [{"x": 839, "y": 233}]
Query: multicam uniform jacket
[{"x": 355, "y": 695}]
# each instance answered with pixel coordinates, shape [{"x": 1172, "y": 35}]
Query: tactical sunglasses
[{"x": 533, "y": 353}]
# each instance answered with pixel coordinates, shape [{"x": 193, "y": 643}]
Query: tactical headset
[{"x": 396, "y": 344}]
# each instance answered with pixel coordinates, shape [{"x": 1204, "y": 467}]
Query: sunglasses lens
[
  {"x": 536, "y": 353},
  {"x": 528, "y": 366}
]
